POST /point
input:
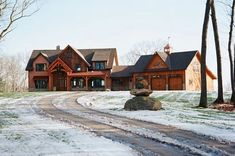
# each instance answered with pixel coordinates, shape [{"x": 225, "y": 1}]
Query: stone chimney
[
  {"x": 168, "y": 49},
  {"x": 58, "y": 47}
]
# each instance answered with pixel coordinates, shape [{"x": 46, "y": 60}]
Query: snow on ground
[
  {"x": 177, "y": 111},
  {"x": 23, "y": 132}
]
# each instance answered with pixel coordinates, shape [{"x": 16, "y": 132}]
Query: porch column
[
  {"x": 133, "y": 82},
  {"x": 68, "y": 83},
  {"x": 105, "y": 83},
  {"x": 86, "y": 78},
  {"x": 149, "y": 81},
  {"x": 167, "y": 85},
  {"x": 50, "y": 83}
]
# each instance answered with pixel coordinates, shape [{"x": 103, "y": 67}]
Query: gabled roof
[
  {"x": 174, "y": 61},
  {"x": 88, "y": 55},
  {"x": 80, "y": 54},
  {"x": 50, "y": 54},
  {"x": 181, "y": 60}
]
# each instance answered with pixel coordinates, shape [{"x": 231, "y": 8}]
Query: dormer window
[
  {"x": 78, "y": 67},
  {"x": 99, "y": 65},
  {"x": 41, "y": 67}
]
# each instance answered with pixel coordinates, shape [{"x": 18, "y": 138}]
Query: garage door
[
  {"x": 158, "y": 84},
  {"x": 175, "y": 83}
]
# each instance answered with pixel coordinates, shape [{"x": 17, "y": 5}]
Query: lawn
[{"x": 178, "y": 110}]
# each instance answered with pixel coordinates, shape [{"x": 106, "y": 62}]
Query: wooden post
[
  {"x": 133, "y": 82},
  {"x": 167, "y": 85},
  {"x": 68, "y": 83},
  {"x": 105, "y": 85},
  {"x": 50, "y": 82},
  {"x": 86, "y": 83},
  {"x": 149, "y": 81}
]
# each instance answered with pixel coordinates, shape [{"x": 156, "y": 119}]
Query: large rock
[
  {"x": 142, "y": 103},
  {"x": 141, "y": 92}
]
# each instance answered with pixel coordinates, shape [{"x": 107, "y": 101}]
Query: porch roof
[{"x": 88, "y": 73}]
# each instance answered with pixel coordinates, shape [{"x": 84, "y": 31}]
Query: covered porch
[{"x": 87, "y": 81}]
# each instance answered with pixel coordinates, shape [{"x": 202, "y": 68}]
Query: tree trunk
[
  {"x": 203, "y": 97},
  {"x": 220, "y": 98},
  {"x": 230, "y": 52},
  {"x": 233, "y": 91}
]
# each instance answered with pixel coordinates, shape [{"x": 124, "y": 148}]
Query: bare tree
[
  {"x": 230, "y": 52},
  {"x": 13, "y": 10},
  {"x": 143, "y": 48},
  {"x": 13, "y": 77},
  {"x": 203, "y": 97},
  {"x": 220, "y": 98}
]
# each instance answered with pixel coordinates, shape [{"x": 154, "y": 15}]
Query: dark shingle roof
[
  {"x": 142, "y": 63},
  {"x": 174, "y": 61},
  {"x": 51, "y": 55},
  {"x": 181, "y": 60},
  {"x": 89, "y": 55},
  {"x": 122, "y": 71},
  {"x": 106, "y": 54}
]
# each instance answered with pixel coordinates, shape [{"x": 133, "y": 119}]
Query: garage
[
  {"x": 176, "y": 83},
  {"x": 158, "y": 83}
]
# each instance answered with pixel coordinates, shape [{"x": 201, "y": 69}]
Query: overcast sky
[{"x": 115, "y": 23}]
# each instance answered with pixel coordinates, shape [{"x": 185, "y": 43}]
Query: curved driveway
[{"x": 145, "y": 137}]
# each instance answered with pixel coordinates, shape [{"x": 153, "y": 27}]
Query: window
[
  {"x": 41, "y": 67},
  {"x": 99, "y": 65},
  {"x": 78, "y": 67},
  {"x": 41, "y": 84},
  {"x": 78, "y": 83},
  {"x": 97, "y": 83}
]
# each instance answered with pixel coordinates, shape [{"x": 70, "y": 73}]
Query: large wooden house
[{"x": 98, "y": 69}]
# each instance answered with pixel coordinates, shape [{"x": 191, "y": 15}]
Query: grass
[{"x": 17, "y": 95}]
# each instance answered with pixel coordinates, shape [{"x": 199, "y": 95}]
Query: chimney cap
[{"x": 58, "y": 47}]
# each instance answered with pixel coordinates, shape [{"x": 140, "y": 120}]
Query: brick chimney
[{"x": 58, "y": 47}]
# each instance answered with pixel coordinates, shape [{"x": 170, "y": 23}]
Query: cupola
[{"x": 168, "y": 49}]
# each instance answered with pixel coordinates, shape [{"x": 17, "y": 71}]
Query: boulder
[
  {"x": 141, "y": 92},
  {"x": 142, "y": 103}
]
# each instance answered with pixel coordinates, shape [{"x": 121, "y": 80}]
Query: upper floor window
[
  {"x": 41, "y": 67},
  {"x": 99, "y": 65},
  {"x": 78, "y": 67}
]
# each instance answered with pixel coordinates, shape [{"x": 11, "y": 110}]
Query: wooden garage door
[
  {"x": 158, "y": 84},
  {"x": 175, "y": 83}
]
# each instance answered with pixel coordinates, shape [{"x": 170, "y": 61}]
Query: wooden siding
[
  {"x": 193, "y": 78},
  {"x": 32, "y": 74},
  {"x": 72, "y": 59},
  {"x": 159, "y": 76},
  {"x": 120, "y": 84},
  {"x": 158, "y": 83},
  {"x": 192, "y": 75},
  {"x": 156, "y": 63},
  {"x": 176, "y": 83}
]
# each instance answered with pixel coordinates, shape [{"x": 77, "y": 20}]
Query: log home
[{"x": 98, "y": 69}]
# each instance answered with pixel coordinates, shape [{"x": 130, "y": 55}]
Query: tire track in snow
[
  {"x": 140, "y": 142},
  {"x": 184, "y": 139}
]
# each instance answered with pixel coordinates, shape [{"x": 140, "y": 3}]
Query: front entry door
[{"x": 59, "y": 79}]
